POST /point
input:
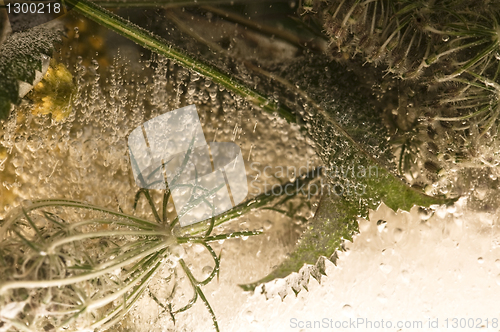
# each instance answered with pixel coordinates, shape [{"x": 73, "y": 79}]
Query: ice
[
  {"x": 431, "y": 272},
  {"x": 402, "y": 266},
  {"x": 85, "y": 157}
]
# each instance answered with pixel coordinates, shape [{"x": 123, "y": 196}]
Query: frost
[{"x": 434, "y": 266}]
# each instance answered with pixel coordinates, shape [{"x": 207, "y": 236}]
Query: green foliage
[
  {"x": 20, "y": 57},
  {"x": 445, "y": 56},
  {"x": 360, "y": 172},
  {"x": 412, "y": 36},
  {"x": 72, "y": 265},
  {"x": 87, "y": 265}
]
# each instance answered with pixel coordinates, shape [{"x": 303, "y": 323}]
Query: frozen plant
[{"x": 69, "y": 265}]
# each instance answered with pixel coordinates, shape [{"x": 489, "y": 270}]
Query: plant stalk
[{"x": 162, "y": 47}]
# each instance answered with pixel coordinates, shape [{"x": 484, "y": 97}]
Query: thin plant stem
[
  {"x": 127, "y": 306},
  {"x": 318, "y": 44},
  {"x": 217, "y": 237},
  {"x": 252, "y": 204},
  {"x": 80, "y": 237},
  {"x": 166, "y": 197},
  {"x": 197, "y": 289},
  {"x": 76, "y": 204},
  {"x": 110, "y": 298},
  {"x": 72, "y": 280},
  {"x": 162, "y": 47}
]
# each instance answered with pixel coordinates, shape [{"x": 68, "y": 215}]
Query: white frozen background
[{"x": 415, "y": 267}]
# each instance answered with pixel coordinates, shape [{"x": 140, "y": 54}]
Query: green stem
[
  {"x": 162, "y": 47},
  {"x": 198, "y": 290},
  {"x": 94, "y": 235},
  {"x": 255, "y": 203},
  {"x": 113, "y": 317},
  {"x": 79, "y": 278},
  {"x": 301, "y": 38},
  {"x": 123, "y": 291},
  {"x": 217, "y": 237}
]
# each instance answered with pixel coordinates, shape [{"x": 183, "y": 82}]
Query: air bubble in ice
[
  {"x": 177, "y": 252},
  {"x": 347, "y": 310},
  {"x": 385, "y": 268},
  {"x": 206, "y": 271}
]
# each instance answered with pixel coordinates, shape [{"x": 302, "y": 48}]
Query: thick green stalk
[{"x": 162, "y": 47}]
